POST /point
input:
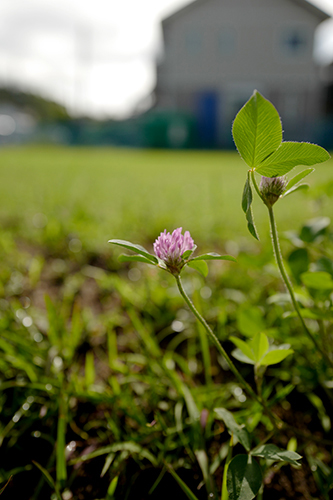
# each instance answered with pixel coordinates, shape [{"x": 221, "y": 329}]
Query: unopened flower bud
[{"x": 271, "y": 188}]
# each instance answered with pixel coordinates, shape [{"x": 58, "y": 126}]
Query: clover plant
[{"x": 257, "y": 132}]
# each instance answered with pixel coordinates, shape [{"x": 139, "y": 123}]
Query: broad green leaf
[
  {"x": 135, "y": 248},
  {"x": 259, "y": 346},
  {"x": 244, "y": 478},
  {"x": 295, "y": 180},
  {"x": 214, "y": 256},
  {"x": 275, "y": 356},
  {"x": 257, "y": 130},
  {"x": 199, "y": 266},
  {"x": 240, "y": 432},
  {"x": 318, "y": 280},
  {"x": 300, "y": 187},
  {"x": 272, "y": 452},
  {"x": 244, "y": 347},
  {"x": 134, "y": 258},
  {"x": 246, "y": 206},
  {"x": 289, "y": 155}
]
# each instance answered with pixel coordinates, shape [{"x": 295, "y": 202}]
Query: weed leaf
[
  {"x": 238, "y": 431},
  {"x": 272, "y": 452},
  {"x": 244, "y": 478}
]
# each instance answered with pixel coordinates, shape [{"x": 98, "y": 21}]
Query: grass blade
[
  {"x": 61, "y": 443},
  {"x": 48, "y": 478},
  {"x": 4, "y": 487},
  {"x": 181, "y": 483}
]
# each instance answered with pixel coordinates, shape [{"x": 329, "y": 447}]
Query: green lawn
[
  {"x": 101, "y": 193},
  {"x": 103, "y": 359}
]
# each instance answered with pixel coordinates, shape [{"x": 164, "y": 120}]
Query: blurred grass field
[
  {"x": 102, "y": 360},
  {"x": 96, "y": 194}
]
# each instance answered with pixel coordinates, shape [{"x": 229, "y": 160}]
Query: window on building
[
  {"x": 193, "y": 42},
  {"x": 226, "y": 40},
  {"x": 294, "y": 42}
]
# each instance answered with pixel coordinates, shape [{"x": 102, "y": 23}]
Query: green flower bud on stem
[{"x": 271, "y": 188}]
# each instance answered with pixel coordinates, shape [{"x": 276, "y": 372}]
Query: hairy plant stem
[
  {"x": 273, "y": 418},
  {"x": 285, "y": 278},
  {"x": 279, "y": 261}
]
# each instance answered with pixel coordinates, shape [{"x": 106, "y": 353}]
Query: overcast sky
[{"x": 94, "y": 56}]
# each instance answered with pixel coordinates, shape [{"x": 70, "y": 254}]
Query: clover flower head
[
  {"x": 170, "y": 248},
  {"x": 271, "y": 188}
]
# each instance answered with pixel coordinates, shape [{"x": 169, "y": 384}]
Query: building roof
[{"x": 316, "y": 11}]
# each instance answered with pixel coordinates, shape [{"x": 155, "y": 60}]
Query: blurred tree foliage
[{"x": 41, "y": 108}]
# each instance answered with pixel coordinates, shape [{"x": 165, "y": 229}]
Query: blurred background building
[
  {"x": 65, "y": 68},
  {"x": 217, "y": 52}
]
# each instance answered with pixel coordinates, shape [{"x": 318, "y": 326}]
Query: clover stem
[
  {"x": 222, "y": 351},
  {"x": 279, "y": 261},
  {"x": 255, "y": 183}
]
